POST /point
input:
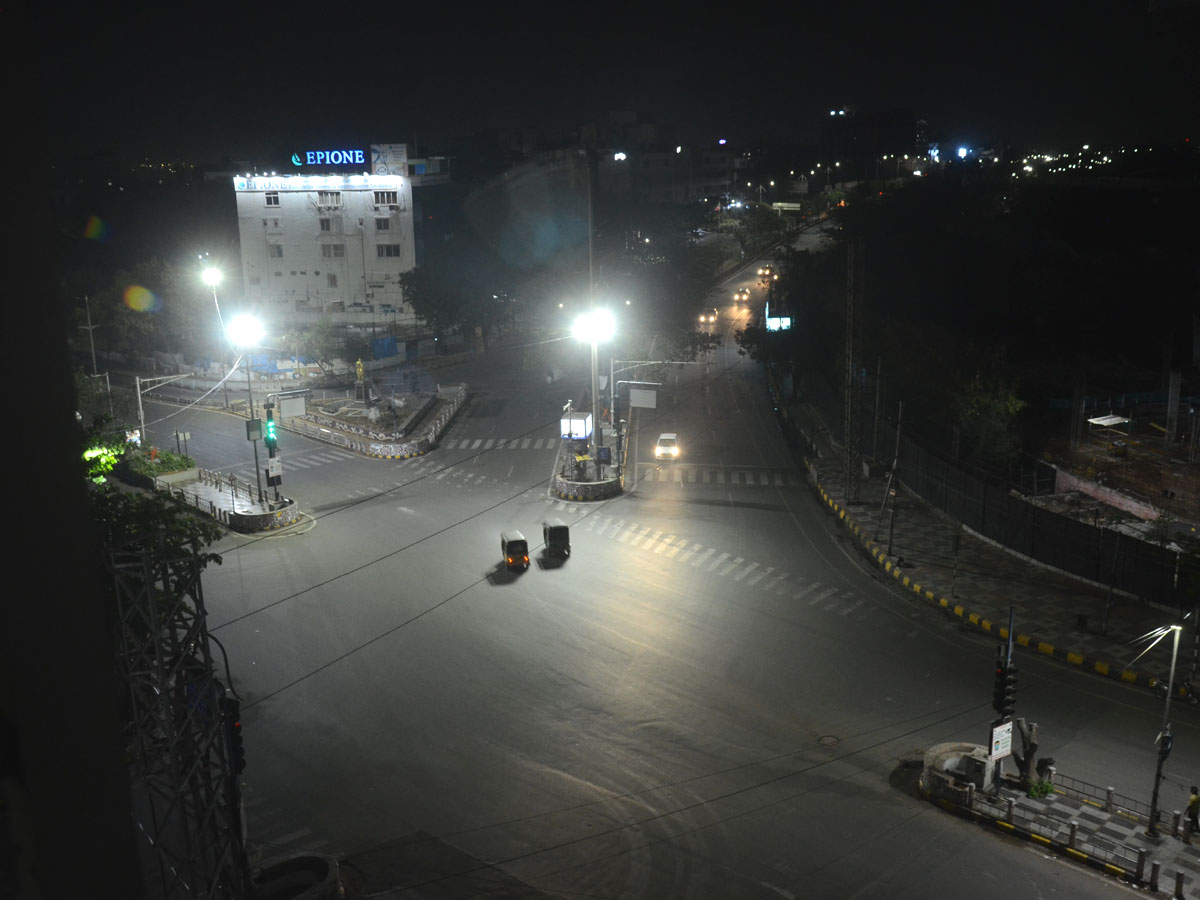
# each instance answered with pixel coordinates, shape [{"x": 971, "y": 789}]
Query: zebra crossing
[
  {"x": 517, "y": 443},
  {"x": 677, "y": 473},
  {"x": 304, "y": 460},
  {"x": 740, "y": 571}
]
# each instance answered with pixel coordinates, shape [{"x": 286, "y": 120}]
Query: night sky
[{"x": 238, "y": 81}]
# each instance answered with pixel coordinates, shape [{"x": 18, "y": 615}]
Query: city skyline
[{"x": 212, "y": 88}]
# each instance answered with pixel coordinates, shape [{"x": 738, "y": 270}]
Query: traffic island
[{"x": 604, "y": 489}]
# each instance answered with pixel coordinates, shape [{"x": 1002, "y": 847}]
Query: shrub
[
  {"x": 157, "y": 462},
  {"x": 1039, "y": 789}
]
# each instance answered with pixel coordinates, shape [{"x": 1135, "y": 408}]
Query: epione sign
[{"x": 329, "y": 158}]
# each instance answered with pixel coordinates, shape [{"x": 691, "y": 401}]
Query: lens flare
[
  {"x": 97, "y": 229},
  {"x": 139, "y": 299}
]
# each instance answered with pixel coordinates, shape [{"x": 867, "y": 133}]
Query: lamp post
[
  {"x": 245, "y": 331},
  {"x": 1165, "y": 739},
  {"x": 595, "y": 326}
]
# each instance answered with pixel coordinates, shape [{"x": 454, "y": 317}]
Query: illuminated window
[
  {"x": 275, "y": 251},
  {"x": 272, "y": 198},
  {"x": 332, "y": 279},
  {"x": 333, "y": 251},
  {"x": 383, "y": 225},
  {"x": 325, "y": 224},
  {"x": 387, "y": 250},
  {"x": 385, "y": 198},
  {"x": 329, "y": 198}
]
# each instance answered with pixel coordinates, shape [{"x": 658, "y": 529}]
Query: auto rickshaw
[
  {"x": 515, "y": 550},
  {"x": 557, "y": 536}
]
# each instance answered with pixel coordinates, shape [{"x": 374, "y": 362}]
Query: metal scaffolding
[{"x": 186, "y": 798}]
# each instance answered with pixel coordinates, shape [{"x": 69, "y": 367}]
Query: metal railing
[
  {"x": 1046, "y": 824},
  {"x": 203, "y": 504},
  {"x": 1106, "y": 799}
]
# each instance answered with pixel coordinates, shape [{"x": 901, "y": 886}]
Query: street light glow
[
  {"x": 211, "y": 276},
  {"x": 597, "y": 325},
  {"x": 245, "y": 330}
]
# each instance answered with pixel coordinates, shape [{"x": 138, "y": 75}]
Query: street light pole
[
  {"x": 246, "y": 331},
  {"x": 1165, "y": 738},
  {"x": 595, "y": 326}
]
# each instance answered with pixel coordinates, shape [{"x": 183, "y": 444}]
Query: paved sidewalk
[{"x": 1054, "y": 614}]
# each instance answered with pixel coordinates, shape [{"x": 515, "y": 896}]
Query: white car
[
  {"x": 667, "y": 447},
  {"x": 709, "y": 316}
]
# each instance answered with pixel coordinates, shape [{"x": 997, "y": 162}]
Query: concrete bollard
[
  {"x": 1176, "y": 818},
  {"x": 1141, "y": 865},
  {"x": 1009, "y": 805},
  {"x": 1074, "y": 830},
  {"x": 1108, "y": 800},
  {"x": 970, "y": 795},
  {"x": 1154, "y": 869},
  {"x": 1178, "y": 895}
]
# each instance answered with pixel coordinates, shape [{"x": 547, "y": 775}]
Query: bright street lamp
[
  {"x": 245, "y": 331},
  {"x": 595, "y": 326}
]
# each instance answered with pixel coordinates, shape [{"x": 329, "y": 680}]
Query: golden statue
[{"x": 358, "y": 368}]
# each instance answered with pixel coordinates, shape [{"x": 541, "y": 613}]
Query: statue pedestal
[{"x": 360, "y": 391}]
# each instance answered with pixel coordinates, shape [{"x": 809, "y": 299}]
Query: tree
[
  {"x": 986, "y": 405},
  {"x": 158, "y": 521},
  {"x": 154, "y": 306},
  {"x": 461, "y": 286}
]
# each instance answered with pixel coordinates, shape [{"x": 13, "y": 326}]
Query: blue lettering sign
[{"x": 332, "y": 157}]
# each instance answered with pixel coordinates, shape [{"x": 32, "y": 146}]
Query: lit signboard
[
  {"x": 576, "y": 426},
  {"x": 779, "y": 323},
  {"x": 317, "y": 182},
  {"x": 330, "y": 158}
]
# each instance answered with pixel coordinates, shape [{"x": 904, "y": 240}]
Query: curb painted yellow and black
[
  {"x": 953, "y": 607},
  {"x": 1058, "y": 847}
]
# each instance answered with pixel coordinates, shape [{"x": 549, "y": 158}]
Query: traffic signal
[
  {"x": 998, "y": 686},
  {"x": 270, "y": 436},
  {"x": 233, "y": 726},
  {"x": 1009, "y": 707}
]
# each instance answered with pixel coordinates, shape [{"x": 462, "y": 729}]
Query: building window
[
  {"x": 325, "y": 224},
  {"x": 275, "y": 251},
  {"x": 332, "y": 279},
  {"x": 385, "y": 198},
  {"x": 333, "y": 251},
  {"x": 272, "y": 198},
  {"x": 329, "y": 198},
  {"x": 383, "y": 225},
  {"x": 387, "y": 250}
]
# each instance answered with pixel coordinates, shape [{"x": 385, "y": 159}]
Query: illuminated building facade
[{"x": 334, "y": 235}]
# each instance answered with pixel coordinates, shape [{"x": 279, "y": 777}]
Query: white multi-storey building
[{"x": 328, "y": 242}]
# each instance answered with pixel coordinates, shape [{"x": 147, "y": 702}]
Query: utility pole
[
  {"x": 852, "y": 390},
  {"x": 887, "y": 491},
  {"x": 89, "y": 327}
]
